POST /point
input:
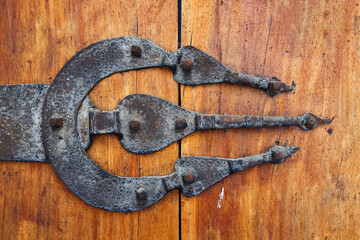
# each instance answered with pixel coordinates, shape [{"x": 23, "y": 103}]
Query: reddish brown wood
[
  {"x": 37, "y": 38},
  {"x": 315, "y": 44}
]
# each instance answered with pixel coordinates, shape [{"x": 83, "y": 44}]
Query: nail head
[
  {"x": 55, "y": 122},
  {"x": 141, "y": 193},
  {"x": 187, "y": 64},
  {"x": 274, "y": 86},
  {"x": 277, "y": 156},
  {"x": 189, "y": 177},
  {"x": 180, "y": 124},
  {"x": 135, "y": 124},
  {"x": 310, "y": 124},
  {"x": 135, "y": 51}
]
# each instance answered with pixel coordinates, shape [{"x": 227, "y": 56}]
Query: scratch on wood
[{"x": 267, "y": 41}]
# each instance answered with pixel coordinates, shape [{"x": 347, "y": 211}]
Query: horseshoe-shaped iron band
[{"x": 64, "y": 107}]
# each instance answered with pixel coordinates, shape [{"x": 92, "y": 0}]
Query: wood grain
[
  {"x": 37, "y": 38},
  {"x": 315, "y": 45}
]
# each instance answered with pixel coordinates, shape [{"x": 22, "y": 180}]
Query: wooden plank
[
  {"x": 315, "y": 44},
  {"x": 158, "y": 21},
  {"x": 35, "y": 43}
]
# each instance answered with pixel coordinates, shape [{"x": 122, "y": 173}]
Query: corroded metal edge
[
  {"x": 194, "y": 67},
  {"x": 21, "y": 109},
  {"x": 20, "y": 122}
]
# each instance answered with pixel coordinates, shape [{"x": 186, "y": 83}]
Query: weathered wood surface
[
  {"x": 315, "y": 44},
  {"x": 37, "y": 38}
]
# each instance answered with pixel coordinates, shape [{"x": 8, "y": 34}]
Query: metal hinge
[{"x": 54, "y": 123}]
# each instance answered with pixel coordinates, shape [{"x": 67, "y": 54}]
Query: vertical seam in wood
[
  {"x": 136, "y": 91},
  {"x": 179, "y": 102}
]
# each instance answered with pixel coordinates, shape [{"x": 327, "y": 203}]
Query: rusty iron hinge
[{"x": 54, "y": 123}]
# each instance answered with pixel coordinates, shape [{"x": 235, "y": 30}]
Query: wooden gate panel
[
  {"x": 37, "y": 39},
  {"x": 313, "y": 45}
]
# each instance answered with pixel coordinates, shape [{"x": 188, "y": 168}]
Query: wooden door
[{"x": 313, "y": 45}]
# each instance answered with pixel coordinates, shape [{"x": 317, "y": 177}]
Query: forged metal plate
[
  {"x": 21, "y": 108},
  {"x": 20, "y": 122},
  {"x": 157, "y": 123}
]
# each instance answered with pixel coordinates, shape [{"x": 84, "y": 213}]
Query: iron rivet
[
  {"x": 56, "y": 122},
  {"x": 274, "y": 86},
  {"x": 135, "y": 51},
  {"x": 141, "y": 193},
  {"x": 310, "y": 124},
  {"x": 187, "y": 64},
  {"x": 189, "y": 177},
  {"x": 277, "y": 156},
  {"x": 134, "y": 124},
  {"x": 180, "y": 124}
]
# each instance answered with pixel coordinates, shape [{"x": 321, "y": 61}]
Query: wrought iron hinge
[{"x": 54, "y": 123}]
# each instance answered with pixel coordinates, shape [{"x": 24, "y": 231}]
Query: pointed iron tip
[
  {"x": 293, "y": 149},
  {"x": 311, "y": 121},
  {"x": 275, "y": 87},
  {"x": 325, "y": 121},
  {"x": 286, "y": 88}
]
